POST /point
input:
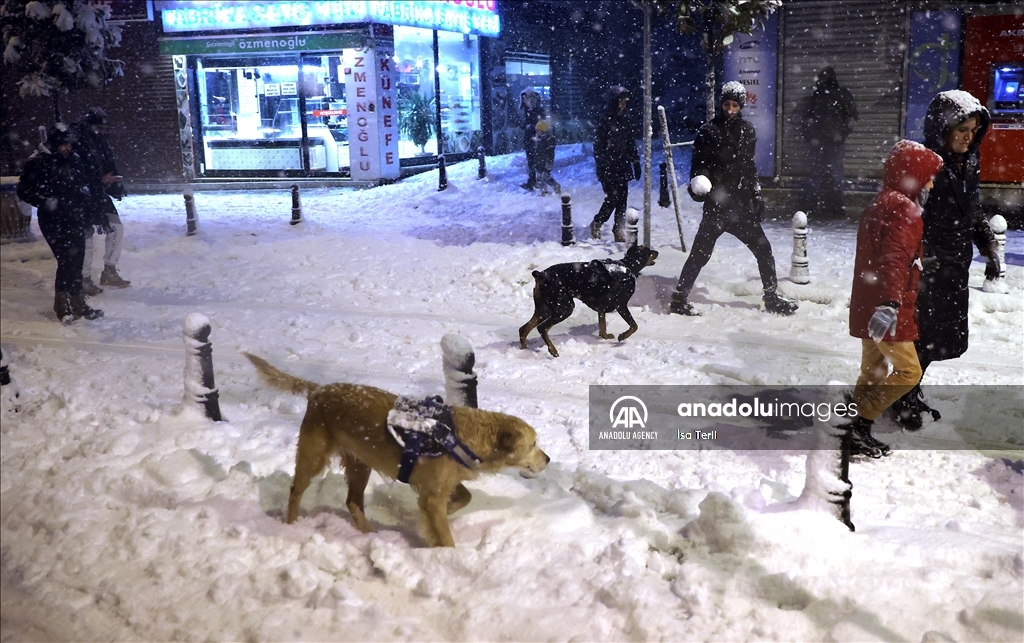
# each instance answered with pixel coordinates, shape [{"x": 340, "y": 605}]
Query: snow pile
[{"x": 127, "y": 515}]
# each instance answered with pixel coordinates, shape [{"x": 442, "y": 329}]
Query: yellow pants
[{"x": 877, "y": 388}]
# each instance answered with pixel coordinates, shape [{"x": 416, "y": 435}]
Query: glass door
[{"x": 325, "y": 112}]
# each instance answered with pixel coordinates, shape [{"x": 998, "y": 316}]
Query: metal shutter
[{"x": 863, "y": 41}]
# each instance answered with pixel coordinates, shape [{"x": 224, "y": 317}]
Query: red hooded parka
[{"x": 887, "y": 267}]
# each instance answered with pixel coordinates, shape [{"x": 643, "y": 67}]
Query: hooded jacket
[
  {"x": 830, "y": 111},
  {"x": 887, "y": 266},
  {"x": 97, "y": 160},
  {"x": 724, "y": 152},
  {"x": 614, "y": 142},
  {"x": 56, "y": 186},
  {"x": 533, "y": 112},
  {"x": 953, "y": 219}
]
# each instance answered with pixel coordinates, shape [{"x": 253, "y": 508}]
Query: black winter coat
[
  {"x": 615, "y": 147},
  {"x": 56, "y": 185},
  {"x": 724, "y": 153},
  {"x": 953, "y": 219},
  {"x": 97, "y": 160}
]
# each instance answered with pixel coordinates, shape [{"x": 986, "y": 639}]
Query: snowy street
[{"x": 126, "y": 515}]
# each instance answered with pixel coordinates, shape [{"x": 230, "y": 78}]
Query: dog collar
[{"x": 424, "y": 428}]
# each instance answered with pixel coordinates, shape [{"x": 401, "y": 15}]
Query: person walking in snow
[
  {"x": 724, "y": 177},
  {"x": 533, "y": 112},
  {"x": 545, "y": 157},
  {"x": 954, "y": 127},
  {"x": 828, "y": 120},
  {"x": 101, "y": 215},
  {"x": 617, "y": 161},
  {"x": 53, "y": 180},
  {"x": 883, "y": 301}
]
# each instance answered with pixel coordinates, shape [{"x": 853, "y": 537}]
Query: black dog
[{"x": 603, "y": 285}]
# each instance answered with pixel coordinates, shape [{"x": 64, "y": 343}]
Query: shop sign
[
  {"x": 372, "y": 122},
  {"x": 466, "y": 16},
  {"x": 751, "y": 59},
  {"x": 934, "y": 64},
  {"x": 260, "y": 44}
]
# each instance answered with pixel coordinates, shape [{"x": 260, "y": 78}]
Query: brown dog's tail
[{"x": 278, "y": 378}]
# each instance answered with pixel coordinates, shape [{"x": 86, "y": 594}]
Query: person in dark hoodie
[
  {"x": 954, "y": 128},
  {"x": 723, "y": 176},
  {"x": 617, "y": 161},
  {"x": 828, "y": 120},
  {"x": 101, "y": 215},
  {"x": 533, "y": 112},
  {"x": 53, "y": 180}
]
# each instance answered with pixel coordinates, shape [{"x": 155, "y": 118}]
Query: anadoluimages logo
[{"x": 628, "y": 412}]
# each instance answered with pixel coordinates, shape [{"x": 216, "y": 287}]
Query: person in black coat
[
  {"x": 828, "y": 119},
  {"x": 617, "y": 162},
  {"x": 53, "y": 180},
  {"x": 954, "y": 127},
  {"x": 723, "y": 176},
  {"x": 101, "y": 215},
  {"x": 533, "y": 112}
]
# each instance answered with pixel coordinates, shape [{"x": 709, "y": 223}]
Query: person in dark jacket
[
  {"x": 828, "y": 120},
  {"x": 101, "y": 215},
  {"x": 53, "y": 180},
  {"x": 533, "y": 112},
  {"x": 884, "y": 297},
  {"x": 954, "y": 127},
  {"x": 617, "y": 161},
  {"x": 724, "y": 177}
]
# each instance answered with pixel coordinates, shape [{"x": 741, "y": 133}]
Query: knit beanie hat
[
  {"x": 96, "y": 116},
  {"x": 734, "y": 91},
  {"x": 58, "y": 135}
]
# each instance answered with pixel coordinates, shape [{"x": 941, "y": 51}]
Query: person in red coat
[{"x": 886, "y": 271}]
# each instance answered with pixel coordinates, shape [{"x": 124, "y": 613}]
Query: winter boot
[
  {"x": 529, "y": 185},
  {"x": 89, "y": 288},
  {"x": 81, "y": 309},
  {"x": 863, "y": 443},
  {"x": 112, "y": 279},
  {"x": 62, "y": 307},
  {"x": 776, "y": 304},
  {"x": 680, "y": 306},
  {"x": 595, "y": 231},
  {"x": 907, "y": 410}
]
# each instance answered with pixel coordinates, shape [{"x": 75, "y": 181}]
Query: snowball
[{"x": 700, "y": 185}]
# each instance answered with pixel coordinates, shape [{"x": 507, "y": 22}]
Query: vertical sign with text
[
  {"x": 751, "y": 59},
  {"x": 360, "y": 71},
  {"x": 387, "y": 106},
  {"x": 934, "y": 59}
]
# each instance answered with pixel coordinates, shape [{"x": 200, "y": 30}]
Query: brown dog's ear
[{"x": 506, "y": 442}]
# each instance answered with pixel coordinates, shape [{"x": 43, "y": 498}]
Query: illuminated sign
[{"x": 465, "y": 16}]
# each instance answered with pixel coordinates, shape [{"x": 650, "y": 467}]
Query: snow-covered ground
[{"x": 128, "y": 516}]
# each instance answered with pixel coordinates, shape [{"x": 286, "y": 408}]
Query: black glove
[
  {"x": 636, "y": 170},
  {"x": 992, "y": 266},
  {"x": 116, "y": 190},
  {"x": 757, "y": 207}
]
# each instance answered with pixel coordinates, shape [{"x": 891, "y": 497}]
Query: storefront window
[
  {"x": 252, "y": 120},
  {"x": 459, "y": 75},
  {"x": 520, "y": 74},
  {"x": 414, "y": 62}
]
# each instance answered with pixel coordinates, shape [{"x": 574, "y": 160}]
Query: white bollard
[
  {"x": 800, "y": 272},
  {"x": 457, "y": 359},
  {"x": 998, "y": 285},
  {"x": 632, "y": 219}
]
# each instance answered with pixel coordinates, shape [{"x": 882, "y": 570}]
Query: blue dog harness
[{"x": 424, "y": 428}]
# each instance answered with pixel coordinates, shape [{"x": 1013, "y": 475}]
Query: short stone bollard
[
  {"x": 998, "y": 285},
  {"x": 457, "y": 360},
  {"x": 632, "y": 219},
  {"x": 568, "y": 237},
  {"x": 190, "y": 213},
  {"x": 663, "y": 199},
  {"x": 800, "y": 272},
  {"x": 200, "y": 390},
  {"x": 481, "y": 171},
  {"x": 296, "y": 206},
  {"x": 442, "y": 174}
]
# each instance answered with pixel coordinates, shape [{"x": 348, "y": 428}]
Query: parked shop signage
[
  {"x": 257, "y": 44},
  {"x": 933, "y": 61},
  {"x": 466, "y": 16},
  {"x": 751, "y": 59}
]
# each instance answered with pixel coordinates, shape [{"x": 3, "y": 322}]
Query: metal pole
[
  {"x": 663, "y": 199},
  {"x": 567, "y": 232},
  {"x": 296, "y": 206},
  {"x": 201, "y": 391},
  {"x": 482, "y": 169},
  {"x": 647, "y": 124},
  {"x": 442, "y": 174},
  {"x": 666, "y": 144},
  {"x": 190, "y": 213}
]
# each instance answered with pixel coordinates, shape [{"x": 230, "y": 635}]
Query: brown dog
[{"x": 351, "y": 421}]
